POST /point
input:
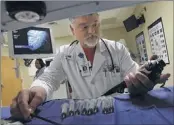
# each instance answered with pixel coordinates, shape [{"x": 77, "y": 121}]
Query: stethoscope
[{"x": 112, "y": 68}]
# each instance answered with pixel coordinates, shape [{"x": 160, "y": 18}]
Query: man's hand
[
  {"x": 26, "y": 102},
  {"x": 163, "y": 78},
  {"x": 139, "y": 83}
]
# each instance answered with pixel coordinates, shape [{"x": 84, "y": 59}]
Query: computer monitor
[
  {"x": 131, "y": 23},
  {"x": 31, "y": 43}
]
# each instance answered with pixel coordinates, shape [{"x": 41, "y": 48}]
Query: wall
[
  {"x": 115, "y": 34},
  {"x": 63, "y": 40},
  {"x": 155, "y": 10},
  {"x": 4, "y": 51}
]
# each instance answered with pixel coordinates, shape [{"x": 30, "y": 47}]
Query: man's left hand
[{"x": 138, "y": 83}]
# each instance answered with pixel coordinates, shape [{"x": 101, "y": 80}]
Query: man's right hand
[{"x": 26, "y": 102}]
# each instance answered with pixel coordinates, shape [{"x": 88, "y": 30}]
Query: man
[{"x": 87, "y": 65}]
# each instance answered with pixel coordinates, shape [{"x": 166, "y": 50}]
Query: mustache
[{"x": 92, "y": 36}]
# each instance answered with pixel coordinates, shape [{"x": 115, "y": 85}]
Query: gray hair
[{"x": 73, "y": 18}]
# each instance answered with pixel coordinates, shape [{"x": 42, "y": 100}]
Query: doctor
[{"x": 91, "y": 65}]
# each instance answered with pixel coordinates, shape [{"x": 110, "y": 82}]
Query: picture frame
[
  {"x": 158, "y": 41},
  {"x": 141, "y": 47}
]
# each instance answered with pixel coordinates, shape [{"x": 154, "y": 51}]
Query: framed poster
[
  {"x": 141, "y": 46},
  {"x": 158, "y": 41}
]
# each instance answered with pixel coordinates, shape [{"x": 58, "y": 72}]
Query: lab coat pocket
[
  {"x": 101, "y": 81},
  {"x": 115, "y": 78}
]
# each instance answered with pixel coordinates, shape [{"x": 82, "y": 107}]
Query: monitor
[
  {"x": 31, "y": 43},
  {"x": 130, "y": 23}
]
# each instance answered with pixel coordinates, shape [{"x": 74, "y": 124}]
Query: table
[{"x": 157, "y": 107}]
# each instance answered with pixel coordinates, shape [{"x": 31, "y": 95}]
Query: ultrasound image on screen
[{"x": 32, "y": 40}]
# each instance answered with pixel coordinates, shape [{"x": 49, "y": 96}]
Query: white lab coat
[{"x": 66, "y": 66}]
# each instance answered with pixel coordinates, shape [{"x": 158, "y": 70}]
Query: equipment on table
[{"x": 155, "y": 66}]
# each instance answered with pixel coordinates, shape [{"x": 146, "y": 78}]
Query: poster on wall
[
  {"x": 141, "y": 46},
  {"x": 158, "y": 41}
]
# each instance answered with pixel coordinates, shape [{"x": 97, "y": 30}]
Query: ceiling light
[{"x": 26, "y": 11}]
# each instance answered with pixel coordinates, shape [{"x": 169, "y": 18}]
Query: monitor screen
[
  {"x": 130, "y": 23},
  {"x": 31, "y": 41}
]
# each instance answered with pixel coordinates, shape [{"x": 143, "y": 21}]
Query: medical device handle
[{"x": 155, "y": 66}]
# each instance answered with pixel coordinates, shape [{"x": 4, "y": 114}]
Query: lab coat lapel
[
  {"x": 99, "y": 59},
  {"x": 80, "y": 59}
]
